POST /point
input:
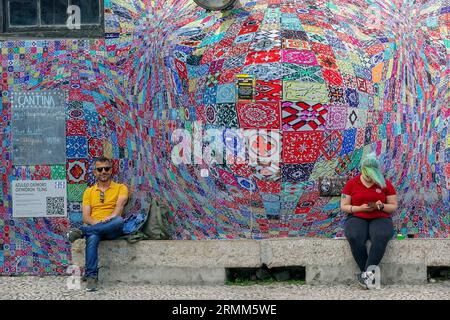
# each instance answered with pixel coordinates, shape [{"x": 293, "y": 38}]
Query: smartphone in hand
[{"x": 372, "y": 205}]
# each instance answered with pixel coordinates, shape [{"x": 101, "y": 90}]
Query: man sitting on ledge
[{"x": 103, "y": 205}]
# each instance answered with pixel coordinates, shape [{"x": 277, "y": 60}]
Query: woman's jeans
[
  {"x": 358, "y": 231},
  {"x": 94, "y": 233}
]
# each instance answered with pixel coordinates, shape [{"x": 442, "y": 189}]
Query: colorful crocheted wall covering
[{"x": 231, "y": 118}]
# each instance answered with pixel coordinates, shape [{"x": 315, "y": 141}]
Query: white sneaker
[
  {"x": 362, "y": 280},
  {"x": 369, "y": 279}
]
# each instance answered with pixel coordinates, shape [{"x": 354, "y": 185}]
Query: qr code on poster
[{"x": 55, "y": 206}]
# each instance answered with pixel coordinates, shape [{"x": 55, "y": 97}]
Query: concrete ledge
[
  {"x": 163, "y": 275},
  {"x": 326, "y": 261},
  {"x": 172, "y": 253}
]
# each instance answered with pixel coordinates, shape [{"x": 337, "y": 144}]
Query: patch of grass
[{"x": 294, "y": 275}]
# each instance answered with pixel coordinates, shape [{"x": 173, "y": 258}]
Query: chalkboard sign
[
  {"x": 245, "y": 86},
  {"x": 38, "y": 127}
]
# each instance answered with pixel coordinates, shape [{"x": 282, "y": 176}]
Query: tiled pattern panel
[
  {"x": 107, "y": 81},
  {"x": 336, "y": 79}
]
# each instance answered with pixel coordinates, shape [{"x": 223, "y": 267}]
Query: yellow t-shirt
[{"x": 99, "y": 210}]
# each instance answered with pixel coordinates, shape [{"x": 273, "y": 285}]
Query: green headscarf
[{"x": 370, "y": 167}]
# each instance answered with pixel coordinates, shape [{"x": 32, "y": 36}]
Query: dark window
[
  {"x": 22, "y": 13},
  {"x": 34, "y": 18},
  {"x": 54, "y": 12},
  {"x": 89, "y": 11},
  {"x": 2, "y": 20}
]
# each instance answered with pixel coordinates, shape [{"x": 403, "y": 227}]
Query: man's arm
[
  {"x": 87, "y": 216},
  {"x": 118, "y": 210},
  {"x": 87, "y": 209}
]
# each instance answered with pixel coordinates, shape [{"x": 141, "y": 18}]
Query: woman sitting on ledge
[{"x": 369, "y": 199}]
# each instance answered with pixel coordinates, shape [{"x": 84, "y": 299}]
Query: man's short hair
[{"x": 103, "y": 159}]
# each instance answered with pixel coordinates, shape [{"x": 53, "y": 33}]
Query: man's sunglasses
[{"x": 103, "y": 168}]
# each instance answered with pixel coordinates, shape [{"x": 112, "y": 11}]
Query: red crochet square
[
  {"x": 263, "y": 57},
  {"x": 268, "y": 90},
  {"x": 259, "y": 115},
  {"x": 302, "y": 147}
]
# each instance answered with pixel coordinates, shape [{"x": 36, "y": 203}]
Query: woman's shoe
[{"x": 362, "y": 280}]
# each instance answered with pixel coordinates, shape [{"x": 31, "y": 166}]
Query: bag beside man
[
  {"x": 154, "y": 226},
  {"x": 147, "y": 225}
]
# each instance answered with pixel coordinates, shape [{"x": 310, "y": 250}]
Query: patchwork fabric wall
[
  {"x": 333, "y": 80},
  {"x": 336, "y": 79},
  {"x": 106, "y": 81}
]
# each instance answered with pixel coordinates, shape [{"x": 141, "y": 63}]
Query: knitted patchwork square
[
  {"x": 294, "y": 34},
  {"x": 76, "y": 128},
  {"x": 210, "y": 95},
  {"x": 227, "y": 177},
  {"x": 309, "y": 92},
  {"x": 352, "y": 98},
  {"x": 264, "y": 71},
  {"x": 302, "y": 73},
  {"x": 305, "y": 57},
  {"x": 301, "y": 147},
  {"x": 75, "y": 191},
  {"x": 95, "y": 147},
  {"x": 210, "y": 114},
  {"x": 296, "y": 172},
  {"x": 300, "y": 116},
  {"x": 77, "y": 147},
  {"x": 331, "y": 145},
  {"x": 226, "y": 93},
  {"x": 263, "y": 57},
  {"x": 336, "y": 94},
  {"x": 227, "y": 115},
  {"x": 58, "y": 172},
  {"x": 234, "y": 62},
  {"x": 337, "y": 117},
  {"x": 333, "y": 77},
  {"x": 266, "y": 44},
  {"x": 259, "y": 115},
  {"x": 77, "y": 170},
  {"x": 268, "y": 90},
  {"x": 295, "y": 44}
]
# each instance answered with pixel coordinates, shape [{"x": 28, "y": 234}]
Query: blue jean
[{"x": 94, "y": 234}]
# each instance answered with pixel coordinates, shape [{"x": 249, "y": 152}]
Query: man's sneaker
[
  {"x": 91, "y": 284},
  {"x": 362, "y": 280},
  {"x": 74, "y": 234}
]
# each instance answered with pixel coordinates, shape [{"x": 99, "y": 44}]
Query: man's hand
[{"x": 108, "y": 218}]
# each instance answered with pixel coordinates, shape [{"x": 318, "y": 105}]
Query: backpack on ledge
[
  {"x": 146, "y": 225},
  {"x": 154, "y": 226}
]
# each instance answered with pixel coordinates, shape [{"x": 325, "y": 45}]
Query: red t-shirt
[{"x": 362, "y": 195}]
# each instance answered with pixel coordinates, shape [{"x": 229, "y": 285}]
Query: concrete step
[{"x": 327, "y": 261}]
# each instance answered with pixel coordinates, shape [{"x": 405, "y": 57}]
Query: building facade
[{"x": 321, "y": 82}]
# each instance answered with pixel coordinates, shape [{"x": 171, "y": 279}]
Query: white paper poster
[{"x": 39, "y": 198}]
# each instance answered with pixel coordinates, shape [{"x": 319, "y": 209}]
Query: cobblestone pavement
[{"x": 56, "y": 288}]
